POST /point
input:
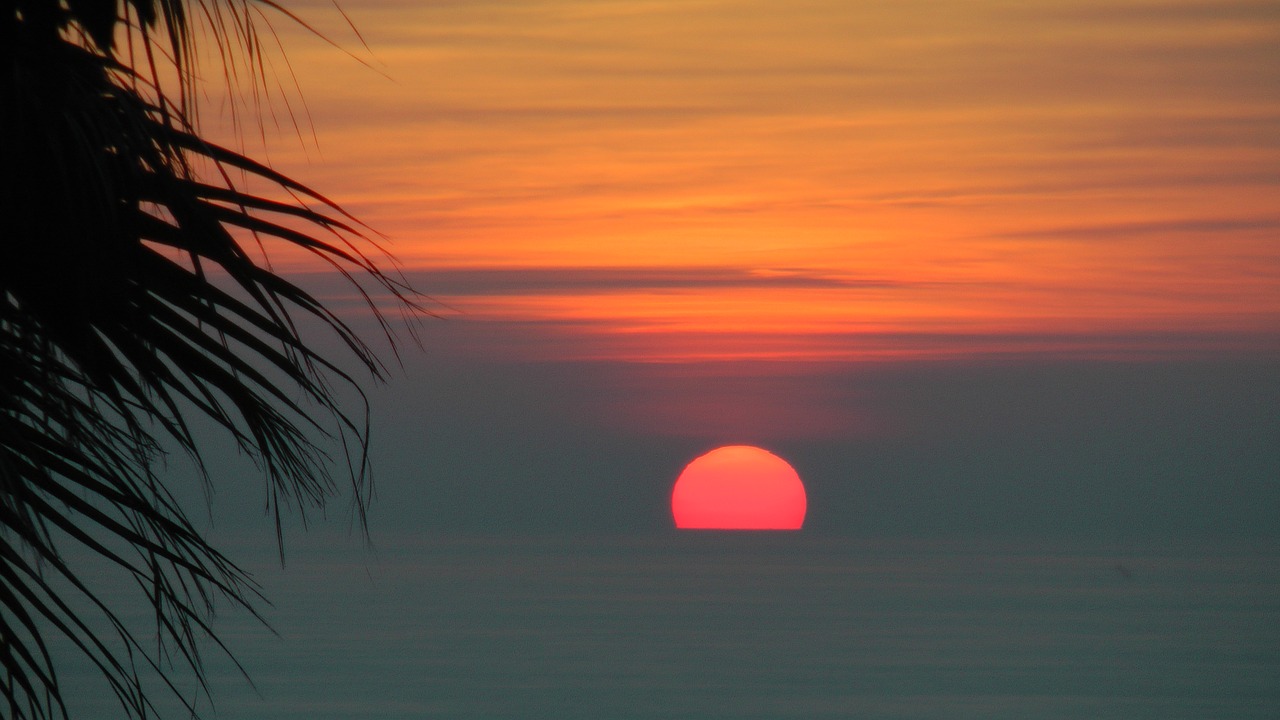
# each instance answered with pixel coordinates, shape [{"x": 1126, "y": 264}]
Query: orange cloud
[{"x": 946, "y": 170}]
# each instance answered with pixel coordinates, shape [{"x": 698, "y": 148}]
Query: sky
[{"x": 973, "y": 267}]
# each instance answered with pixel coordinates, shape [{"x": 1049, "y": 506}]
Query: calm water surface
[{"x": 757, "y": 625}]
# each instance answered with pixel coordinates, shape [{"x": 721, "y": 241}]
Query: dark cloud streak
[{"x": 577, "y": 280}]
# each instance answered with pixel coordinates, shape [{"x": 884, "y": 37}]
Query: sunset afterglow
[
  {"x": 735, "y": 358},
  {"x": 820, "y": 181}
]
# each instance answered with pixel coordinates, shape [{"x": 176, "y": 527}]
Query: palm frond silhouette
[{"x": 131, "y": 303}]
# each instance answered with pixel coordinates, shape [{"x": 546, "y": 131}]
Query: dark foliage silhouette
[{"x": 133, "y": 298}]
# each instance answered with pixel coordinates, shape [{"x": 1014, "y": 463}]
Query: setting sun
[{"x": 739, "y": 487}]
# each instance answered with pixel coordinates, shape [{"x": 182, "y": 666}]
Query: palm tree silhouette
[{"x": 130, "y": 303}]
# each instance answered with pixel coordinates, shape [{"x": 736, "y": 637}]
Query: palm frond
[{"x": 129, "y": 303}]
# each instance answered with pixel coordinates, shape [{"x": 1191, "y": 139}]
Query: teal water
[{"x": 755, "y": 625}]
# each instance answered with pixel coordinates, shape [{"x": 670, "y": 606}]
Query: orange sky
[{"x": 817, "y": 180}]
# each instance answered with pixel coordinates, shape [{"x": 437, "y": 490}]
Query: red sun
[{"x": 739, "y": 487}]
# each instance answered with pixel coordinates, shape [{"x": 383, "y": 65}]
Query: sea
[{"x": 715, "y": 624}]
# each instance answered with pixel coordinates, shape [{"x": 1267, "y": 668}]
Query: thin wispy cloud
[{"x": 1057, "y": 167}]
